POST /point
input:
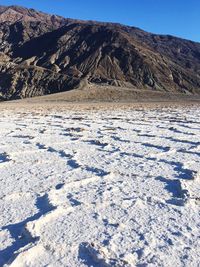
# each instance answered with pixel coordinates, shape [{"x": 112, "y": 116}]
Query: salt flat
[{"x": 115, "y": 187}]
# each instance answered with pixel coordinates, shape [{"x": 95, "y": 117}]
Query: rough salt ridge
[{"x": 100, "y": 188}]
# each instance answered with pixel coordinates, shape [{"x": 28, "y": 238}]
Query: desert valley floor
[{"x": 100, "y": 187}]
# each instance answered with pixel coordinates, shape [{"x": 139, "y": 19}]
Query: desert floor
[{"x": 100, "y": 184}]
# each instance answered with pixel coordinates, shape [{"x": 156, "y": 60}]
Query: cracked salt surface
[{"x": 100, "y": 188}]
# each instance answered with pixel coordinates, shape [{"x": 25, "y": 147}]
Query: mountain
[{"x": 43, "y": 54}]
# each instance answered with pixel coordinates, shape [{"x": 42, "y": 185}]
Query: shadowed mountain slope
[{"x": 43, "y": 54}]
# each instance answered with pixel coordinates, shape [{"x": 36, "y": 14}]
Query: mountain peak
[
  {"x": 12, "y": 14},
  {"x": 42, "y": 54}
]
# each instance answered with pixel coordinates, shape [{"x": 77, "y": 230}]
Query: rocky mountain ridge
[{"x": 43, "y": 54}]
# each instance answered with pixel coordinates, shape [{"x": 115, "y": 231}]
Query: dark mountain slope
[{"x": 43, "y": 54}]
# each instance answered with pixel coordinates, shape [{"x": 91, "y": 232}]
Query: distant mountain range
[{"x": 43, "y": 54}]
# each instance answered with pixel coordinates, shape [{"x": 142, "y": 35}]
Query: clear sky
[{"x": 175, "y": 17}]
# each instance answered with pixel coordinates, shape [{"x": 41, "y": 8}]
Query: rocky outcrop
[
  {"x": 43, "y": 54},
  {"x": 16, "y": 13}
]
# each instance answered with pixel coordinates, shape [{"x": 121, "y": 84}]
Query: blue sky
[{"x": 175, "y": 17}]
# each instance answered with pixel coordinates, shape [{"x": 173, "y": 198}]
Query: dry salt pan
[{"x": 100, "y": 188}]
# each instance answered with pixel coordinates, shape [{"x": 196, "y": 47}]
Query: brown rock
[{"x": 43, "y": 54}]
